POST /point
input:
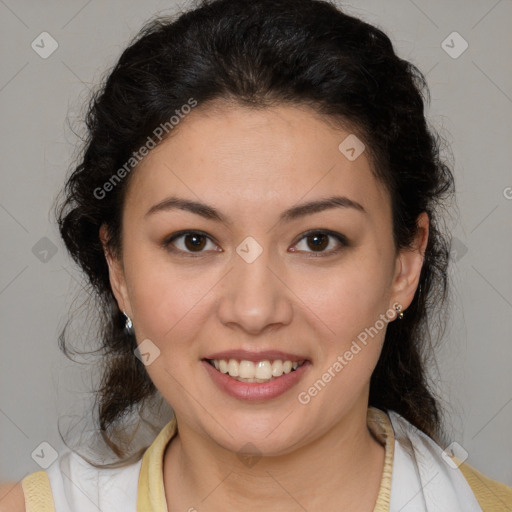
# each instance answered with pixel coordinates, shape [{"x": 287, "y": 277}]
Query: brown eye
[
  {"x": 319, "y": 241},
  {"x": 195, "y": 242},
  {"x": 188, "y": 242}
]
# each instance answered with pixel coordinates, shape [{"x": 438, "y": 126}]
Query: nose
[{"x": 255, "y": 296}]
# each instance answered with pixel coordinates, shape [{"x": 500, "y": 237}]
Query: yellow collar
[{"x": 151, "y": 493}]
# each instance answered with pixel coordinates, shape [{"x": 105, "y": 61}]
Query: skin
[
  {"x": 251, "y": 165},
  {"x": 12, "y": 498}
]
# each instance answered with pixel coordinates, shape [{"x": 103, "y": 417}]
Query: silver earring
[
  {"x": 399, "y": 312},
  {"x": 129, "y": 323}
]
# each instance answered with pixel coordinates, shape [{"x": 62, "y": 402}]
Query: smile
[{"x": 255, "y": 381}]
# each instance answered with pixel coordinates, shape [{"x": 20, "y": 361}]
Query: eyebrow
[{"x": 295, "y": 212}]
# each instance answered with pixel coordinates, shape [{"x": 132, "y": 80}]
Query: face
[{"x": 222, "y": 259}]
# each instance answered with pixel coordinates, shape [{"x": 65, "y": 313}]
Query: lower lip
[{"x": 253, "y": 391}]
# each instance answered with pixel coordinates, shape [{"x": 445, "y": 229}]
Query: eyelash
[{"x": 342, "y": 239}]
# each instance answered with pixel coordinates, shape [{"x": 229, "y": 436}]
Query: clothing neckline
[{"x": 151, "y": 492}]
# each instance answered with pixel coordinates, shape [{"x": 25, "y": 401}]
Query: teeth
[
  {"x": 262, "y": 371},
  {"x": 233, "y": 368},
  {"x": 246, "y": 369}
]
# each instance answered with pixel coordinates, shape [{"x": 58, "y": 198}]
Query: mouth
[
  {"x": 256, "y": 380},
  {"x": 266, "y": 370}
]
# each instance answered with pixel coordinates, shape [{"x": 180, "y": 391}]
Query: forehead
[{"x": 254, "y": 158}]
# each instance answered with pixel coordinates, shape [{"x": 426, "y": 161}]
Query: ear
[
  {"x": 409, "y": 263},
  {"x": 116, "y": 274}
]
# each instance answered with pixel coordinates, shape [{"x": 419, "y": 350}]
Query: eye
[
  {"x": 319, "y": 242},
  {"x": 188, "y": 242}
]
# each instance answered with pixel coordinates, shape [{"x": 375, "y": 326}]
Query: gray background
[{"x": 471, "y": 105}]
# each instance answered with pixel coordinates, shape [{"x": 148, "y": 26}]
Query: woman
[{"x": 257, "y": 209}]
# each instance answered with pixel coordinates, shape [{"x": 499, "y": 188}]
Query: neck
[{"x": 344, "y": 465}]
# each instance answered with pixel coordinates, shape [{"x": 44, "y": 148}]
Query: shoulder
[
  {"x": 11, "y": 497},
  {"x": 71, "y": 483},
  {"x": 493, "y": 496}
]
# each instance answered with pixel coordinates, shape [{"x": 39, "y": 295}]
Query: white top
[{"x": 77, "y": 486}]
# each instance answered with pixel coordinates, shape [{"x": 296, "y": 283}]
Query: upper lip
[{"x": 245, "y": 355}]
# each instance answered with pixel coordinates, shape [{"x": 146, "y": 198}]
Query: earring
[
  {"x": 129, "y": 323},
  {"x": 399, "y": 312}
]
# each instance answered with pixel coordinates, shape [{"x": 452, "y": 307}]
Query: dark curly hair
[{"x": 259, "y": 54}]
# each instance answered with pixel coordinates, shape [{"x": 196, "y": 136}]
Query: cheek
[
  {"x": 353, "y": 314},
  {"x": 169, "y": 309},
  {"x": 167, "y": 301},
  {"x": 347, "y": 300}
]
